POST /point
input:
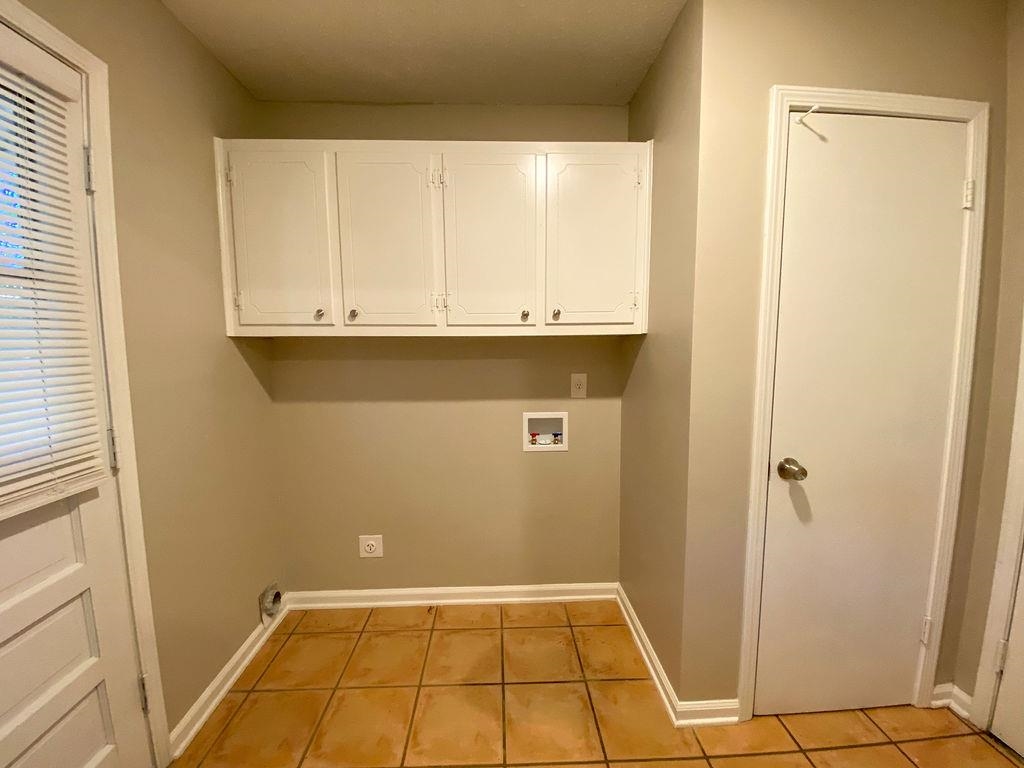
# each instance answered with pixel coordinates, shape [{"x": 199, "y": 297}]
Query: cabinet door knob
[
  {"x": 319, "y": 314},
  {"x": 556, "y": 314},
  {"x": 353, "y": 314},
  {"x": 525, "y": 315}
]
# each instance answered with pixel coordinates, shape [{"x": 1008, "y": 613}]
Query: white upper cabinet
[
  {"x": 285, "y": 236},
  {"x": 390, "y": 226},
  {"x": 434, "y": 238},
  {"x": 490, "y": 238},
  {"x": 594, "y": 237}
]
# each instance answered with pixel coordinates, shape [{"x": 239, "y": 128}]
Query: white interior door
[
  {"x": 1008, "y": 721},
  {"x": 868, "y": 319},
  {"x": 593, "y": 238},
  {"x": 282, "y": 208},
  {"x": 69, "y": 673},
  {"x": 490, "y": 235},
  {"x": 391, "y": 225}
]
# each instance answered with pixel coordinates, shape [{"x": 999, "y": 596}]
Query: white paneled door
[
  {"x": 69, "y": 670},
  {"x": 867, "y": 344},
  {"x": 392, "y": 268},
  {"x": 285, "y": 233},
  {"x": 491, "y": 227},
  {"x": 594, "y": 237},
  {"x": 1008, "y": 721}
]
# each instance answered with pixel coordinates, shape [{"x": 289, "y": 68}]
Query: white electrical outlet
[
  {"x": 578, "y": 385},
  {"x": 371, "y": 546}
]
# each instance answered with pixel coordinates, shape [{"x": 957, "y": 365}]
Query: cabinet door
[
  {"x": 285, "y": 242},
  {"x": 389, "y": 214},
  {"x": 490, "y": 238},
  {"x": 593, "y": 238}
]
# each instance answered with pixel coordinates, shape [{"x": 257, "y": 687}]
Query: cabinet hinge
[
  {"x": 969, "y": 195},
  {"x": 1002, "y": 648},
  {"x": 639, "y": 177},
  {"x": 89, "y": 189},
  {"x": 442, "y": 177},
  {"x": 238, "y": 299},
  {"x": 112, "y": 447},
  {"x": 636, "y": 300},
  {"x": 229, "y": 177},
  {"x": 926, "y": 630},
  {"x": 144, "y": 694}
]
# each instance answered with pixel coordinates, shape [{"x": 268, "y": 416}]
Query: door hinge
[
  {"x": 1002, "y": 648},
  {"x": 112, "y": 445},
  {"x": 88, "y": 170},
  {"x": 144, "y": 694},
  {"x": 969, "y": 194},
  {"x": 926, "y": 630}
]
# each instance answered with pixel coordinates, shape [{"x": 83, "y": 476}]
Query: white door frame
[
  {"x": 97, "y": 130},
  {"x": 784, "y": 100},
  {"x": 1007, "y": 571}
]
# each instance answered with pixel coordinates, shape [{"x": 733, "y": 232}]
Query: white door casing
[
  {"x": 68, "y": 657},
  {"x": 594, "y": 238},
  {"x": 389, "y": 210},
  {"x": 974, "y": 116},
  {"x": 285, "y": 236},
  {"x": 492, "y": 216},
  {"x": 1008, "y": 717}
]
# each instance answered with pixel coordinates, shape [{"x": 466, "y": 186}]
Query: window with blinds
[{"x": 52, "y": 437}]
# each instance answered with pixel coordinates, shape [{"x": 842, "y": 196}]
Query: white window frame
[{"x": 96, "y": 99}]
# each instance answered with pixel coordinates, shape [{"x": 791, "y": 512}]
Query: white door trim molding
[
  {"x": 97, "y": 128},
  {"x": 786, "y": 99},
  {"x": 1007, "y": 571}
]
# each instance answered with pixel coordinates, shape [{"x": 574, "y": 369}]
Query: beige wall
[
  {"x": 950, "y": 48},
  {"x": 380, "y": 435},
  {"x": 420, "y": 440},
  {"x": 470, "y": 122},
  {"x": 976, "y": 558},
  {"x": 199, "y": 407},
  {"x": 655, "y": 435}
]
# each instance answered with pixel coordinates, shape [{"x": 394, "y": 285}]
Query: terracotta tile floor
[{"x": 532, "y": 685}]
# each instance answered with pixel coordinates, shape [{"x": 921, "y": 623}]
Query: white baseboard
[
  {"x": 949, "y": 695},
  {"x": 681, "y": 712},
  {"x": 186, "y": 730},
  {"x": 530, "y": 593},
  {"x": 711, "y": 712}
]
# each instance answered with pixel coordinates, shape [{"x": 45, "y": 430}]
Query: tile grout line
[
  {"x": 807, "y": 752},
  {"x": 334, "y": 692},
  {"x": 286, "y": 637},
  {"x": 586, "y": 685},
  {"x": 246, "y": 692},
  {"x": 501, "y": 662},
  {"x": 419, "y": 686},
  {"x": 796, "y": 741}
]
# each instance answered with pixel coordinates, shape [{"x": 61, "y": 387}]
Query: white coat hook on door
[
  {"x": 800, "y": 121},
  {"x": 811, "y": 111}
]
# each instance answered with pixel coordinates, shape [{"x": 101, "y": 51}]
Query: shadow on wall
[{"x": 444, "y": 369}]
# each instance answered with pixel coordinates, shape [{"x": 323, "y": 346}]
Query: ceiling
[{"x": 434, "y": 51}]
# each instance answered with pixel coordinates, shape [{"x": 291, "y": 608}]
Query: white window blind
[{"x": 51, "y": 431}]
